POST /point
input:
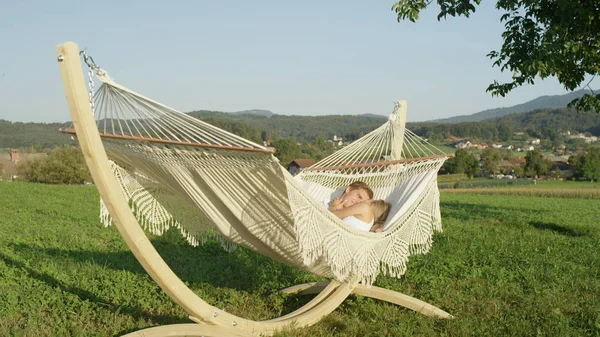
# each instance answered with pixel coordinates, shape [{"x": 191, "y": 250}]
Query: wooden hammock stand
[{"x": 209, "y": 320}]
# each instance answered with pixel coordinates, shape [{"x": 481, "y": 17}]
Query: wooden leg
[
  {"x": 329, "y": 288},
  {"x": 377, "y": 293}
]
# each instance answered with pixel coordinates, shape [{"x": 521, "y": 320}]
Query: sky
[{"x": 292, "y": 58}]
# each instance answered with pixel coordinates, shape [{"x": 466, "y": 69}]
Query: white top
[{"x": 358, "y": 224}]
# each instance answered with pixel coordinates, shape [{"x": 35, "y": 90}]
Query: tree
[
  {"x": 589, "y": 164},
  {"x": 506, "y": 154},
  {"x": 536, "y": 165},
  {"x": 462, "y": 162},
  {"x": 542, "y": 38},
  {"x": 286, "y": 150},
  {"x": 505, "y": 132},
  {"x": 491, "y": 159}
]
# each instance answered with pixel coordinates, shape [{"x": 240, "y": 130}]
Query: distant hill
[
  {"x": 308, "y": 128},
  {"x": 257, "y": 112},
  {"x": 256, "y": 124},
  {"x": 373, "y": 115},
  {"x": 556, "y": 101},
  {"x": 540, "y": 123},
  {"x": 553, "y": 119},
  {"x": 38, "y": 135}
]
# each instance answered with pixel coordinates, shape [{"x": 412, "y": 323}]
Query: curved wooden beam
[
  {"x": 134, "y": 236},
  {"x": 376, "y": 293},
  {"x": 188, "y": 330}
]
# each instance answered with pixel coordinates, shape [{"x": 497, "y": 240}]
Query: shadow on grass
[
  {"x": 85, "y": 295},
  {"x": 242, "y": 270},
  {"x": 556, "y": 228},
  {"x": 208, "y": 263}
]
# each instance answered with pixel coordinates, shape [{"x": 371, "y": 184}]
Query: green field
[{"x": 504, "y": 266}]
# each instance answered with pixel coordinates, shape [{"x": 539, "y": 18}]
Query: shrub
[{"x": 64, "y": 165}]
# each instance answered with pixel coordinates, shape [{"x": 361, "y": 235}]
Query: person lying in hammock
[{"x": 368, "y": 215}]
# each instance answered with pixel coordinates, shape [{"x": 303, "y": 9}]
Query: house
[
  {"x": 511, "y": 164},
  {"x": 534, "y": 142},
  {"x": 298, "y": 165},
  {"x": 464, "y": 145},
  {"x": 560, "y": 164},
  {"x": 588, "y": 139},
  {"x": 497, "y": 146},
  {"x": 338, "y": 140},
  {"x": 528, "y": 148},
  {"x": 479, "y": 146},
  {"x": 509, "y": 147},
  {"x": 9, "y": 161}
]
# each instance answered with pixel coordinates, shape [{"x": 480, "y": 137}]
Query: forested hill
[
  {"x": 38, "y": 135},
  {"x": 255, "y": 127},
  {"x": 537, "y": 123},
  {"x": 554, "y": 119},
  {"x": 301, "y": 127},
  {"x": 542, "y": 102}
]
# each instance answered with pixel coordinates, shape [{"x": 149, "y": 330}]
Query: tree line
[{"x": 585, "y": 165}]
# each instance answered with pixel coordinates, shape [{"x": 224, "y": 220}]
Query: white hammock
[{"x": 174, "y": 168}]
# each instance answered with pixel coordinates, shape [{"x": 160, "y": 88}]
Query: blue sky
[{"x": 301, "y": 58}]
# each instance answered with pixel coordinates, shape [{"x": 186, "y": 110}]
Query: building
[
  {"x": 10, "y": 161},
  {"x": 298, "y": 165},
  {"x": 464, "y": 145}
]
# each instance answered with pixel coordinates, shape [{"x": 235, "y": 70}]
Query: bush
[{"x": 64, "y": 165}]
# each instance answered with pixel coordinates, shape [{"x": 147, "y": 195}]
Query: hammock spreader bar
[{"x": 171, "y": 142}]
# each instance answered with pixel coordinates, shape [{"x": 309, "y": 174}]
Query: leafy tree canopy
[
  {"x": 542, "y": 38},
  {"x": 462, "y": 162},
  {"x": 536, "y": 165},
  {"x": 491, "y": 159},
  {"x": 587, "y": 165}
]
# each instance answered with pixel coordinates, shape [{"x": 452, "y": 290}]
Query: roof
[{"x": 303, "y": 162}]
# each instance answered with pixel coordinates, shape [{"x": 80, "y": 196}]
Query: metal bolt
[
  {"x": 60, "y": 58},
  {"x": 234, "y": 323},
  {"x": 215, "y": 314}
]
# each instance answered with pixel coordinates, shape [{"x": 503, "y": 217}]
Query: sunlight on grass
[{"x": 505, "y": 265}]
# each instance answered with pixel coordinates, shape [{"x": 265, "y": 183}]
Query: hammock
[{"x": 176, "y": 171}]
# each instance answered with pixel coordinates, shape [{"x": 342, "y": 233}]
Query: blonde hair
[{"x": 381, "y": 210}]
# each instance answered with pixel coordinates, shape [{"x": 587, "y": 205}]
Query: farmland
[{"x": 505, "y": 265}]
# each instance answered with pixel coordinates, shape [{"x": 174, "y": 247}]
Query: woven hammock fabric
[{"x": 180, "y": 172}]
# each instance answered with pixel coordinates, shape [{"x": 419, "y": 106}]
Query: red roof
[{"x": 304, "y": 162}]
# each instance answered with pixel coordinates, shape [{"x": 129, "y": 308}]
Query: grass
[
  {"x": 504, "y": 266},
  {"x": 548, "y": 188}
]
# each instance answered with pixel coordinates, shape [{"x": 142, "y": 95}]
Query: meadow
[{"x": 505, "y": 265}]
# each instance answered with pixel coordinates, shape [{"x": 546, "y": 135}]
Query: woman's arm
[{"x": 362, "y": 211}]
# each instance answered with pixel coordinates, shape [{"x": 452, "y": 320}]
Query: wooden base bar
[
  {"x": 376, "y": 293},
  {"x": 189, "y": 330}
]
